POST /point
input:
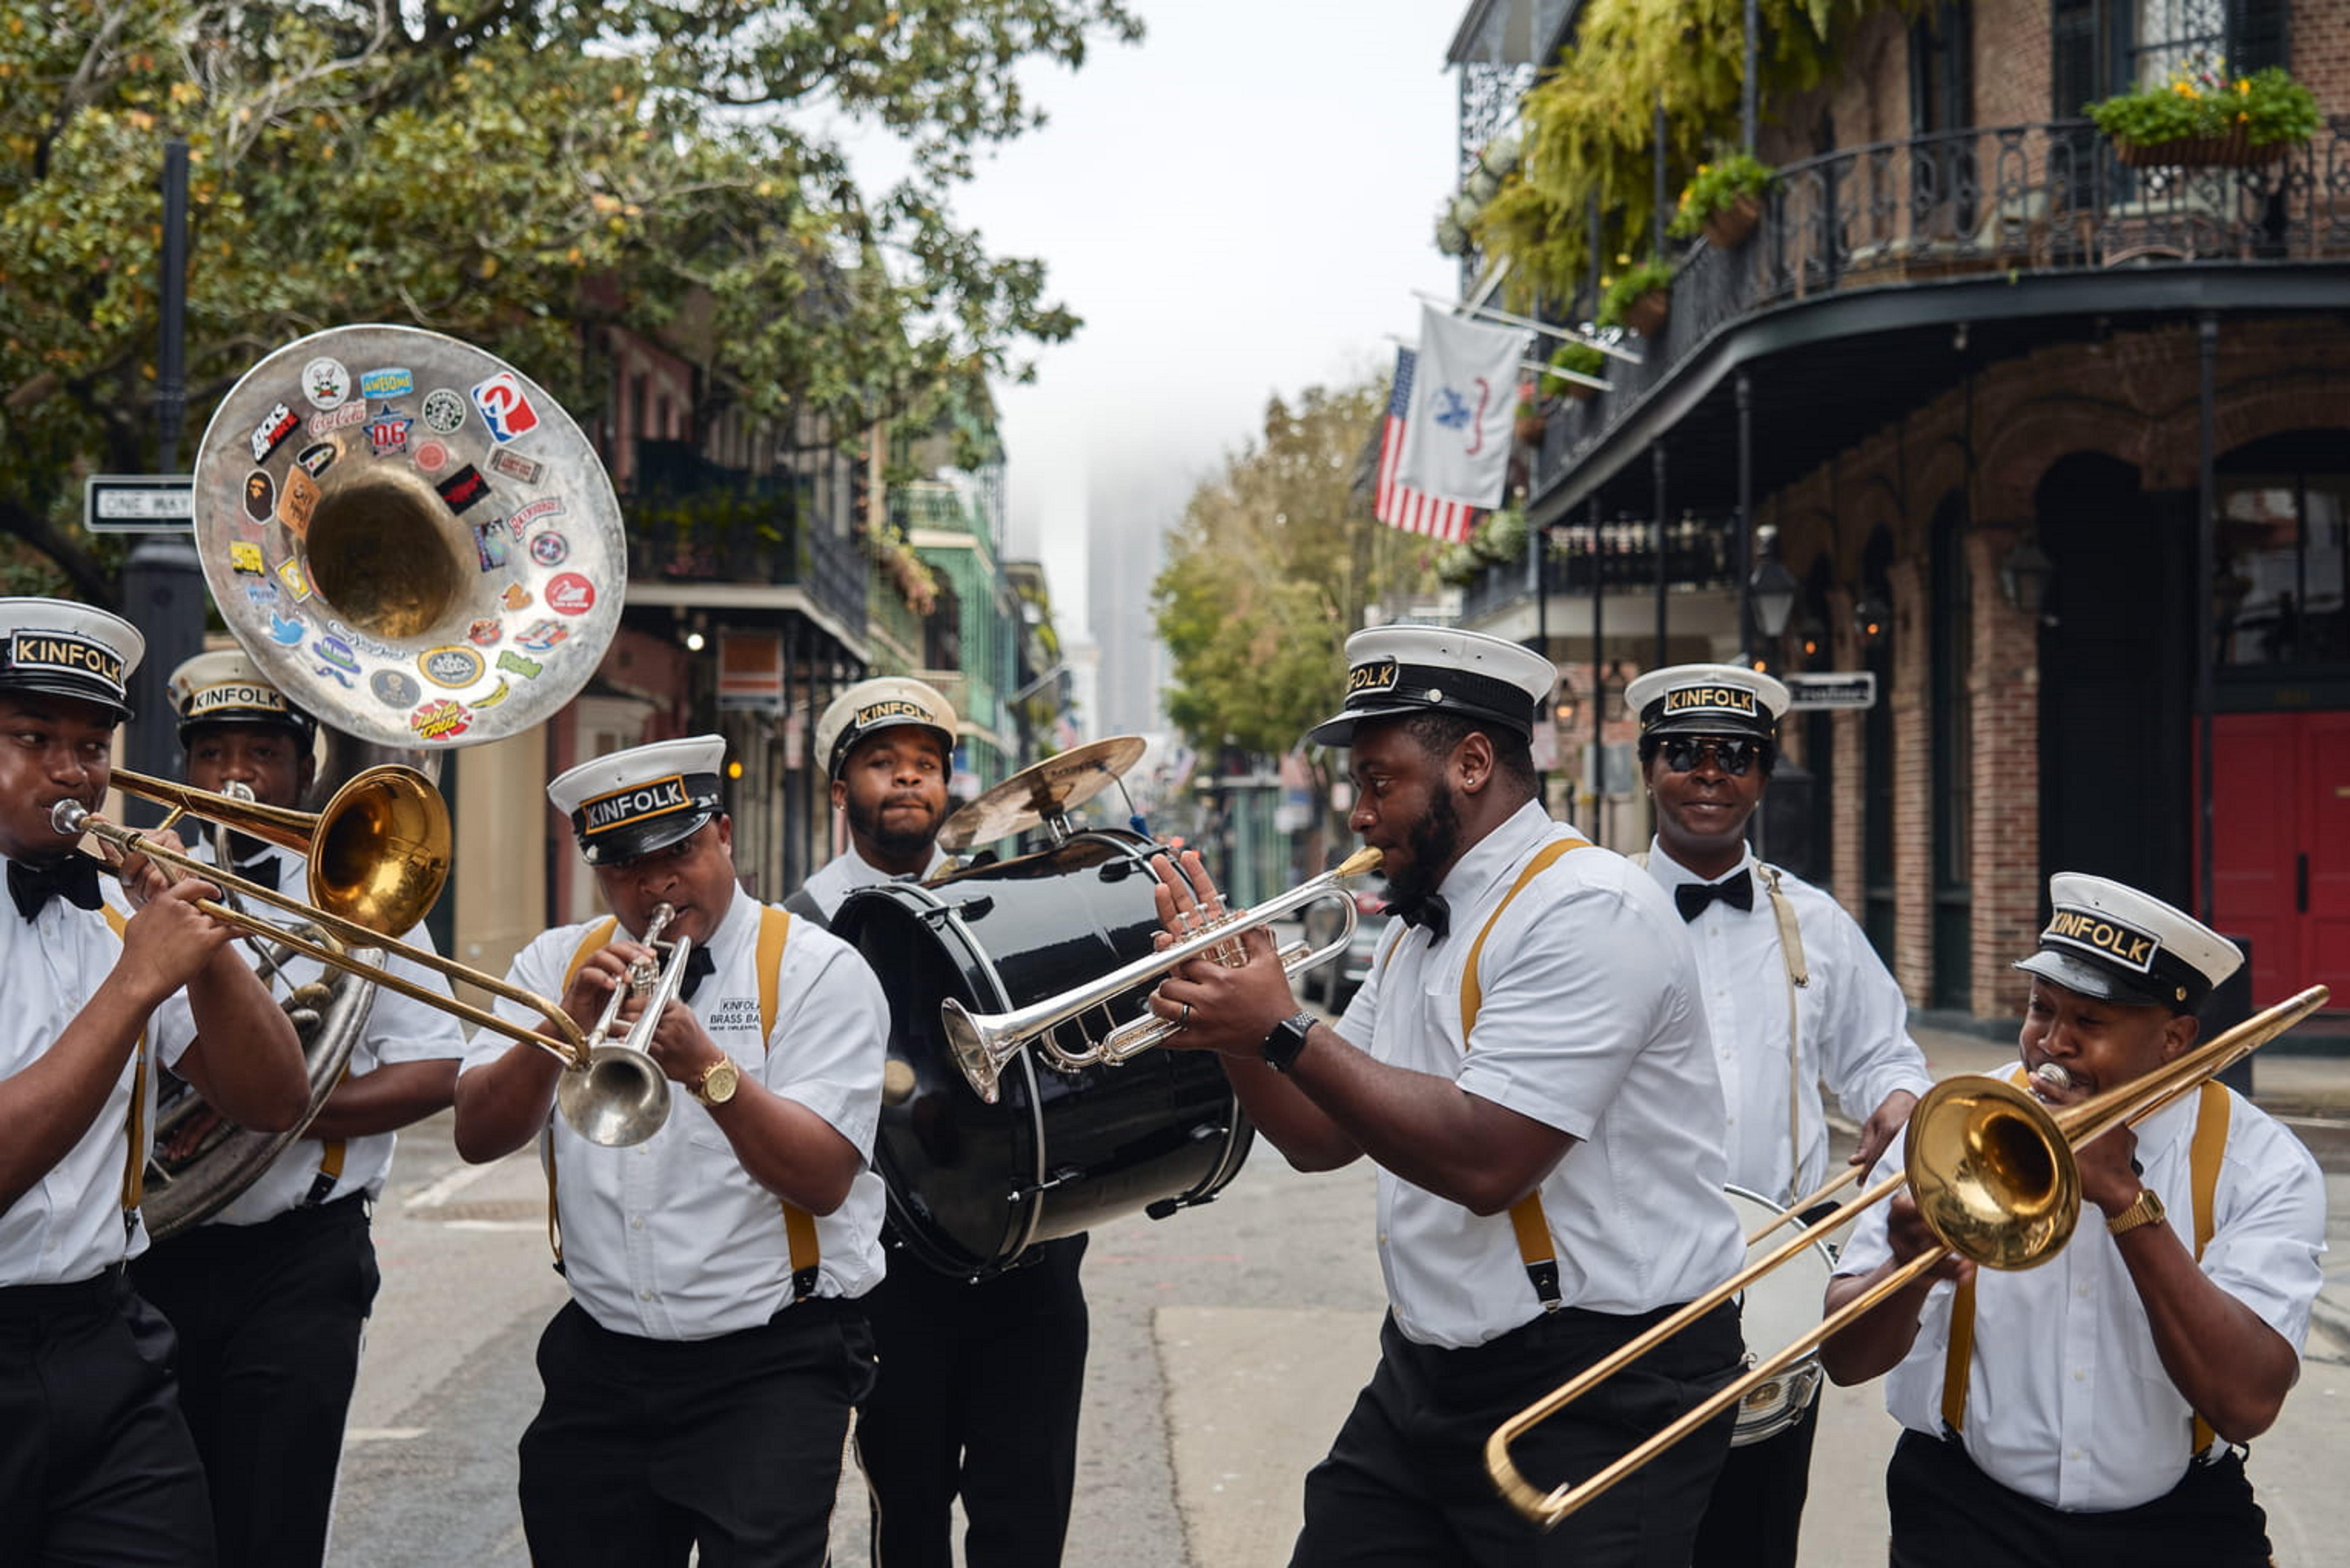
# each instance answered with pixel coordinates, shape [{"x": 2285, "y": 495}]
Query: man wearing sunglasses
[{"x": 1794, "y": 993}]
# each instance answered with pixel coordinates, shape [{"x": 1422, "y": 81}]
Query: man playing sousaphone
[
  {"x": 96, "y": 1465},
  {"x": 699, "y": 1382},
  {"x": 2093, "y": 1409},
  {"x": 270, "y": 1296}
]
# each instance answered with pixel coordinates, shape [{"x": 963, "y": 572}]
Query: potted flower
[
  {"x": 1459, "y": 565},
  {"x": 2202, "y": 118},
  {"x": 1582, "y": 359},
  {"x": 1723, "y": 200},
  {"x": 1528, "y": 426},
  {"x": 1637, "y": 301},
  {"x": 1501, "y": 538}
]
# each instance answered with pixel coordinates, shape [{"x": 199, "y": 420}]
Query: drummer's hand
[
  {"x": 1876, "y": 1132},
  {"x": 1907, "y": 1232},
  {"x": 1228, "y": 998},
  {"x": 587, "y": 992}
]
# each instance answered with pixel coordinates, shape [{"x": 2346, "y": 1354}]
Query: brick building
[{"x": 2074, "y": 434}]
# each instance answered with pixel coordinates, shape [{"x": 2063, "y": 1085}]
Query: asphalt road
[{"x": 1227, "y": 1344}]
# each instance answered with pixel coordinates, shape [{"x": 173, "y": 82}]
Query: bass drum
[
  {"x": 1780, "y": 1308},
  {"x": 973, "y": 1185}
]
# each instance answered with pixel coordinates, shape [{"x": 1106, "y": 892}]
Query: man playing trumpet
[
  {"x": 96, "y": 1464},
  {"x": 700, "y": 1381},
  {"x": 2093, "y": 1409}
]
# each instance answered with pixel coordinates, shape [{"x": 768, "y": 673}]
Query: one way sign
[{"x": 139, "y": 502}]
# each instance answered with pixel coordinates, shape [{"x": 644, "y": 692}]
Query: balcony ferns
[
  {"x": 2203, "y": 116},
  {"x": 1723, "y": 201}
]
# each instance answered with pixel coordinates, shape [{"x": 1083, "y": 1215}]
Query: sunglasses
[{"x": 1732, "y": 757}]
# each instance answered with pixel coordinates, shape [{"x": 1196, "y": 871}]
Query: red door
[{"x": 2280, "y": 847}]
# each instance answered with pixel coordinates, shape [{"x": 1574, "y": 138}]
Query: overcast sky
[{"x": 1239, "y": 205}]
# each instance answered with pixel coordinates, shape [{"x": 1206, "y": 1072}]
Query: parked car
[{"x": 1332, "y": 985}]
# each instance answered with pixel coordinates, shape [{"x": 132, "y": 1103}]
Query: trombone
[
  {"x": 1994, "y": 1174},
  {"x": 983, "y": 1042},
  {"x": 379, "y": 854}
]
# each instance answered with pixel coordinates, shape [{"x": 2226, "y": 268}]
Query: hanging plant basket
[
  {"x": 1645, "y": 315},
  {"x": 1529, "y": 428},
  {"x": 1729, "y": 228},
  {"x": 2234, "y": 151},
  {"x": 1576, "y": 389}
]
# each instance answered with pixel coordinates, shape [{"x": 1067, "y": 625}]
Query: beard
[
  {"x": 1433, "y": 840},
  {"x": 895, "y": 842}
]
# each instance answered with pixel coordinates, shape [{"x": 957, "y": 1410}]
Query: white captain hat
[
  {"x": 61, "y": 648},
  {"x": 2107, "y": 941},
  {"x": 634, "y": 802},
  {"x": 1395, "y": 671},
  {"x": 1727, "y": 700},
  {"x": 226, "y": 687},
  {"x": 871, "y": 706}
]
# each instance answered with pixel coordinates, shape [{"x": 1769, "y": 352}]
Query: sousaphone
[{"x": 417, "y": 544}]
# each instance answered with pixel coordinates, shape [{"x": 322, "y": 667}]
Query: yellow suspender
[
  {"x": 799, "y": 1226},
  {"x": 134, "y": 1165},
  {"x": 1532, "y": 1228},
  {"x": 2212, "y": 1111}
]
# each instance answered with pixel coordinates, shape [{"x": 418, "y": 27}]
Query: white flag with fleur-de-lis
[{"x": 1464, "y": 397}]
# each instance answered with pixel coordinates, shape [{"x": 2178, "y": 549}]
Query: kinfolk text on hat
[
  {"x": 872, "y": 706},
  {"x": 634, "y": 802},
  {"x": 2109, "y": 942},
  {"x": 1706, "y": 699},
  {"x": 226, "y": 687},
  {"x": 61, "y": 648},
  {"x": 1393, "y": 671}
]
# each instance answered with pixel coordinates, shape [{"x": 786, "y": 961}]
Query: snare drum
[
  {"x": 973, "y": 1185},
  {"x": 1779, "y": 1309}
]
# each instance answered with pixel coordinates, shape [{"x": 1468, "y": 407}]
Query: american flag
[{"x": 1397, "y": 503}]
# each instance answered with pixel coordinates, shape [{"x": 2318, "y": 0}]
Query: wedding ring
[{"x": 1184, "y": 1021}]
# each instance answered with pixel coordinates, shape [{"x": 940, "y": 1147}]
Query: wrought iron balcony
[
  {"x": 691, "y": 520},
  {"x": 2005, "y": 203},
  {"x": 1701, "y": 553}
]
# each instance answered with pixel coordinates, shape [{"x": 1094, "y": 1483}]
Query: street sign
[
  {"x": 1834, "y": 689},
  {"x": 139, "y": 502}
]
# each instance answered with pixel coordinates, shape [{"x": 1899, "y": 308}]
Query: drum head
[{"x": 1778, "y": 1310}]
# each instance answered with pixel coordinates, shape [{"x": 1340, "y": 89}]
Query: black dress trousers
[
  {"x": 97, "y": 1470},
  {"x": 269, "y": 1318},
  {"x": 978, "y": 1396}
]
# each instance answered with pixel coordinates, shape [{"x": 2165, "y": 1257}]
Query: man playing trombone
[
  {"x": 96, "y": 1464},
  {"x": 270, "y": 1297},
  {"x": 700, "y": 1380},
  {"x": 1528, "y": 1065},
  {"x": 2093, "y": 1409}
]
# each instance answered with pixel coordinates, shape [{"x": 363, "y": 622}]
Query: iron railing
[
  {"x": 691, "y": 520},
  {"x": 2048, "y": 198},
  {"x": 1700, "y": 553}
]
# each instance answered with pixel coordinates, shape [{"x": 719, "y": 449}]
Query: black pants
[
  {"x": 1405, "y": 1485},
  {"x": 978, "y": 1394},
  {"x": 269, "y": 1318},
  {"x": 645, "y": 1447},
  {"x": 1947, "y": 1512},
  {"x": 1756, "y": 1512},
  {"x": 97, "y": 1470}
]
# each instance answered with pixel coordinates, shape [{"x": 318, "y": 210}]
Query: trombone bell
[{"x": 1992, "y": 1173}]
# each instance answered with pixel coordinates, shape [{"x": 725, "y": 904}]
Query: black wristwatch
[{"x": 1287, "y": 1039}]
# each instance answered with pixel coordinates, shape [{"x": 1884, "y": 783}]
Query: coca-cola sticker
[{"x": 568, "y": 593}]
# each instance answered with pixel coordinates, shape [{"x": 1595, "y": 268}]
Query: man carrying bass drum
[
  {"x": 1794, "y": 993},
  {"x": 271, "y": 1295},
  {"x": 700, "y": 1381},
  {"x": 980, "y": 1381}
]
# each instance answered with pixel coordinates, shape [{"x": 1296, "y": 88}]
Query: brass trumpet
[
  {"x": 1993, "y": 1173},
  {"x": 378, "y": 853},
  {"x": 983, "y": 1042}
]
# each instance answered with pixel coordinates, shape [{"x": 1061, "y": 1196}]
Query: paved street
[{"x": 1227, "y": 1344}]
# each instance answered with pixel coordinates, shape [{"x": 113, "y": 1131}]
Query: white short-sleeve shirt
[
  {"x": 69, "y": 1225},
  {"x": 844, "y": 873},
  {"x": 671, "y": 1238},
  {"x": 2067, "y": 1401},
  {"x": 1852, "y": 1027},
  {"x": 1590, "y": 1023},
  {"x": 398, "y": 1029}
]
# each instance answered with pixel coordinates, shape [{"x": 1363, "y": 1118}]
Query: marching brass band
[{"x": 1560, "y": 1064}]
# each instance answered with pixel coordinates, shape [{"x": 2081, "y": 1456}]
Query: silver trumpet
[
  {"x": 983, "y": 1042},
  {"x": 621, "y": 1096}
]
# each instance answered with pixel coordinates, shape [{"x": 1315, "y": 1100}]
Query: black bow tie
[
  {"x": 1431, "y": 911},
  {"x": 261, "y": 869},
  {"x": 73, "y": 879},
  {"x": 1693, "y": 897},
  {"x": 697, "y": 963}
]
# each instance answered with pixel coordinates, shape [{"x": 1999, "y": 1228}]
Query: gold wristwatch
[
  {"x": 715, "y": 1086},
  {"x": 2147, "y": 1210}
]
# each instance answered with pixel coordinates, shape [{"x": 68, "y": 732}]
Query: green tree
[
  {"x": 1270, "y": 568},
  {"x": 506, "y": 172}
]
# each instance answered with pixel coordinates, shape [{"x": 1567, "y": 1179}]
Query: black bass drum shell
[{"x": 973, "y": 1185}]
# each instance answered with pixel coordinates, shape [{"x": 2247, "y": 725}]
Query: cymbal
[{"x": 1036, "y": 795}]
